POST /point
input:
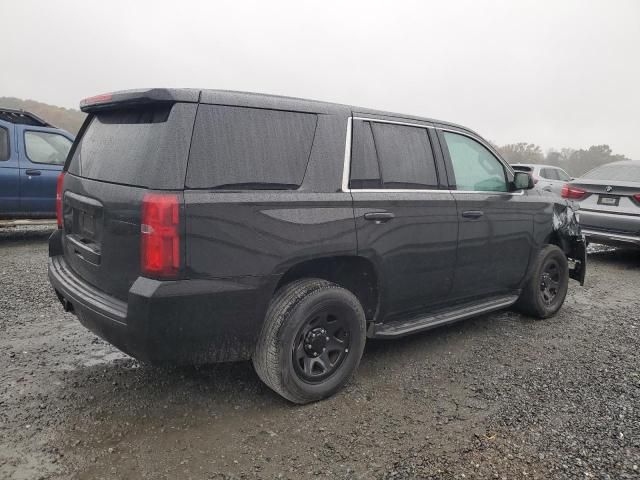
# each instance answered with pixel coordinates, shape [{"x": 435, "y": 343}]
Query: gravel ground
[{"x": 499, "y": 396}]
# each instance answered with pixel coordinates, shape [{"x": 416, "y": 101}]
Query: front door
[
  {"x": 41, "y": 162},
  {"x": 495, "y": 237},
  {"x": 406, "y": 219}
]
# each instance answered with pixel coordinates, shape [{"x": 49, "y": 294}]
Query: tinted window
[
  {"x": 249, "y": 148},
  {"x": 549, "y": 173},
  {"x": 475, "y": 168},
  {"x": 629, "y": 172},
  {"x": 4, "y": 144},
  {"x": 44, "y": 147},
  {"x": 391, "y": 156},
  {"x": 365, "y": 171},
  {"x": 521, "y": 168},
  {"x": 143, "y": 146}
]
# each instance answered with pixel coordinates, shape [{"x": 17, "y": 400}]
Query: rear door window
[
  {"x": 249, "y": 148},
  {"x": 474, "y": 166},
  {"x": 4, "y": 144},
  {"x": 391, "y": 156},
  {"x": 46, "y": 148},
  {"x": 549, "y": 173}
]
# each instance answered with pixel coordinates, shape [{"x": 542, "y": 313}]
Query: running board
[{"x": 401, "y": 328}]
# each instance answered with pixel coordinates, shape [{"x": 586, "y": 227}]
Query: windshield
[{"x": 624, "y": 173}]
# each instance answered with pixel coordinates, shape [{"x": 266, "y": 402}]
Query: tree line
[{"x": 574, "y": 162}]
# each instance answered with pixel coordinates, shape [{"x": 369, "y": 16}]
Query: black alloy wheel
[
  {"x": 322, "y": 343},
  {"x": 550, "y": 281}
]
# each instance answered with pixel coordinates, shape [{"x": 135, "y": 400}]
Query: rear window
[
  {"x": 143, "y": 146},
  {"x": 249, "y": 148},
  {"x": 628, "y": 172}
]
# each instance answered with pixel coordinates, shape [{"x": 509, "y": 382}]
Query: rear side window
[
  {"x": 47, "y": 148},
  {"x": 4, "y": 144},
  {"x": 391, "y": 156},
  {"x": 562, "y": 175},
  {"x": 249, "y": 148},
  {"x": 145, "y": 146}
]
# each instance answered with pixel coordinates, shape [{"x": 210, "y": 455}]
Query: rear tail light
[
  {"x": 535, "y": 179},
  {"x": 59, "y": 199},
  {"x": 572, "y": 193},
  {"x": 160, "y": 235},
  {"x": 637, "y": 197}
]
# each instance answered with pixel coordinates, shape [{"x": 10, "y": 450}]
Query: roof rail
[{"x": 22, "y": 117}]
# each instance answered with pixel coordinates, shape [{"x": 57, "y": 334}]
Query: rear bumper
[
  {"x": 610, "y": 238},
  {"x": 174, "y": 322}
]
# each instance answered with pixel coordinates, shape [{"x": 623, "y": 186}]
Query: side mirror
[{"x": 523, "y": 181}]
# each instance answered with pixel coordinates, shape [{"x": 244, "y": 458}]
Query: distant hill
[{"x": 66, "y": 118}]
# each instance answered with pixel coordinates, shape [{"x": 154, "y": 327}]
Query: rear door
[
  {"x": 121, "y": 153},
  {"x": 9, "y": 174},
  {"x": 405, "y": 216},
  {"x": 495, "y": 236},
  {"x": 42, "y": 158}
]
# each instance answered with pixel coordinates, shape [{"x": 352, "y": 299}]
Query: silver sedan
[{"x": 609, "y": 201}]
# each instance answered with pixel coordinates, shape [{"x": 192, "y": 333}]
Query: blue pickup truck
[{"x": 32, "y": 154}]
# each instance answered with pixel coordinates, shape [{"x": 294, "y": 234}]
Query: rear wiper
[{"x": 256, "y": 186}]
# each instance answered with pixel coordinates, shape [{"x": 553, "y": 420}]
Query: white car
[{"x": 547, "y": 178}]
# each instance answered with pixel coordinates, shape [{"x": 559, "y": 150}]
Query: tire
[
  {"x": 535, "y": 299},
  {"x": 291, "y": 336}
]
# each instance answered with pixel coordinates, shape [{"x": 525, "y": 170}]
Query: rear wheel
[
  {"x": 312, "y": 340},
  {"x": 546, "y": 289}
]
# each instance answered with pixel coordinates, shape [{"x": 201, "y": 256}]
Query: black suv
[{"x": 200, "y": 226}]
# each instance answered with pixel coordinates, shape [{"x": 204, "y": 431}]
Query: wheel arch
[{"x": 354, "y": 273}]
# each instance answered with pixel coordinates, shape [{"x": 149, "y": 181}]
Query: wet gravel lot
[{"x": 499, "y": 396}]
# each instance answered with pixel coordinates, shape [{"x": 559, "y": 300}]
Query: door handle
[
  {"x": 547, "y": 189},
  {"x": 33, "y": 173},
  {"x": 378, "y": 217},
  {"x": 472, "y": 214}
]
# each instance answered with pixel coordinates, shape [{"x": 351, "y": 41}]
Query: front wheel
[
  {"x": 312, "y": 340},
  {"x": 546, "y": 288}
]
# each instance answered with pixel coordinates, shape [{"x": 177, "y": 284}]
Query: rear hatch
[{"x": 130, "y": 144}]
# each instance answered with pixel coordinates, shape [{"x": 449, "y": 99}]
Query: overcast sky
[{"x": 559, "y": 73}]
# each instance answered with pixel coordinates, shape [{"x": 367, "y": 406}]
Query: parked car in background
[
  {"x": 32, "y": 154},
  {"x": 609, "y": 200},
  {"x": 203, "y": 225},
  {"x": 547, "y": 178}
]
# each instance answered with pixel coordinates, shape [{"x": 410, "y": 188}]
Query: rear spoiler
[{"x": 108, "y": 101}]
